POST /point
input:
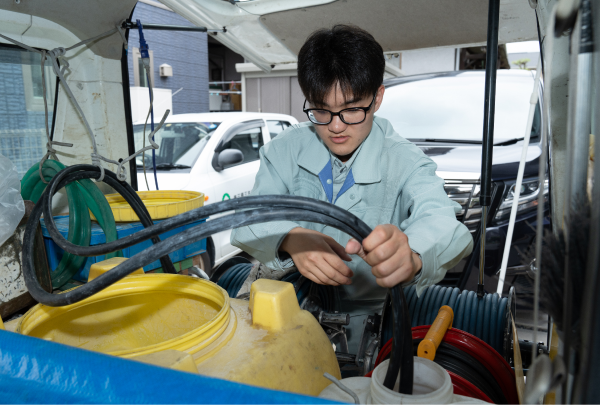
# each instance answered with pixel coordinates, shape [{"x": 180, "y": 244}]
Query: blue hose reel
[{"x": 487, "y": 318}]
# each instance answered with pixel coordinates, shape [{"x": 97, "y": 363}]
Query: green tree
[{"x": 521, "y": 63}]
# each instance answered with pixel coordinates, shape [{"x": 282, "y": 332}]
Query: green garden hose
[{"x": 83, "y": 196}]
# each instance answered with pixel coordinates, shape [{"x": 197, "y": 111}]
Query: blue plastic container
[{"x": 55, "y": 253}]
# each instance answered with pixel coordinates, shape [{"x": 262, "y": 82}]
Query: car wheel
[{"x": 203, "y": 261}]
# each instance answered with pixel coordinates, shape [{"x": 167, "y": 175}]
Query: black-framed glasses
[{"x": 350, "y": 116}]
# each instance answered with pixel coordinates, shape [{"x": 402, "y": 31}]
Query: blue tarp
[{"x": 37, "y": 371}]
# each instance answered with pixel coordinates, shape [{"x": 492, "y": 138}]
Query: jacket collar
[{"x": 315, "y": 155}]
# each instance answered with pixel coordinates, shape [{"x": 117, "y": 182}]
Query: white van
[{"x": 214, "y": 153}]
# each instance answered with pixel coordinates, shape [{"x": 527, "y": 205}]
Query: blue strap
[
  {"x": 327, "y": 175},
  {"x": 324, "y": 175},
  {"x": 349, "y": 182}
]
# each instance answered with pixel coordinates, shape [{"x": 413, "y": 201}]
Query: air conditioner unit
[{"x": 166, "y": 70}]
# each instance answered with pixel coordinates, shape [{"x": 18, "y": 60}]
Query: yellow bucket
[{"x": 161, "y": 204}]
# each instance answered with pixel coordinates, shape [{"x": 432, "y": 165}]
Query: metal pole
[
  {"x": 491, "y": 61},
  {"x": 164, "y": 27},
  {"x": 586, "y": 387}
]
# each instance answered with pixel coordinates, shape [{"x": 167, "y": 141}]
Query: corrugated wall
[
  {"x": 186, "y": 52},
  {"x": 280, "y": 94}
]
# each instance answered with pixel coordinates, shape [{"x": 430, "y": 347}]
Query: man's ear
[{"x": 379, "y": 98}]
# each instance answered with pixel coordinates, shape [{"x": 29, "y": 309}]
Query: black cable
[
  {"x": 122, "y": 188},
  {"x": 272, "y": 208},
  {"x": 187, "y": 217},
  {"x": 540, "y": 41},
  {"x": 466, "y": 366},
  {"x": 401, "y": 357},
  {"x": 149, "y": 255},
  {"x": 164, "y": 247}
]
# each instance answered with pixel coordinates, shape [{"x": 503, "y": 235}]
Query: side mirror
[{"x": 227, "y": 158}]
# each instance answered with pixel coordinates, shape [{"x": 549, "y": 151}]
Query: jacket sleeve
[
  {"x": 262, "y": 241},
  {"x": 431, "y": 225}
]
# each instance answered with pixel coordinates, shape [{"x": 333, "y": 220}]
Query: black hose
[
  {"x": 122, "y": 188},
  {"x": 271, "y": 208},
  {"x": 281, "y": 201},
  {"x": 401, "y": 357},
  {"x": 167, "y": 246},
  {"x": 468, "y": 367}
]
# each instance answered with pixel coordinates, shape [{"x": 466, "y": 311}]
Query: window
[
  {"x": 451, "y": 107},
  {"x": 140, "y": 78},
  {"x": 276, "y": 127},
  {"x": 248, "y": 142},
  {"x": 180, "y": 144},
  {"x": 22, "y": 128}
]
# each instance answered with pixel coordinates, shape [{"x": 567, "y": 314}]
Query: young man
[{"x": 353, "y": 159}]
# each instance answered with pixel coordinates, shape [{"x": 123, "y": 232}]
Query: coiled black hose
[
  {"x": 271, "y": 208},
  {"x": 467, "y": 367}
]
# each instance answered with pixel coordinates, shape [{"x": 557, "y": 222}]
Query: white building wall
[{"x": 428, "y": 61}]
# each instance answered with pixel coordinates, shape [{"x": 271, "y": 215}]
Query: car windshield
[
  {"x": 179, "y": 143},
  {"x": 450, "y": 108}
]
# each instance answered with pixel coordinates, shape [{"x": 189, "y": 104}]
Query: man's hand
[
  {"x": 318, "y": 257},
  {"x": 386, "y": 249}
]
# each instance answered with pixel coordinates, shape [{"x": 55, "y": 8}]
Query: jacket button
[
  {"x": 352, "y": 196},
  {"x": 329, "y": 181}
]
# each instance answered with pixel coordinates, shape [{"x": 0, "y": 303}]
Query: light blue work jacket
[{"x": 391, "y": 182}]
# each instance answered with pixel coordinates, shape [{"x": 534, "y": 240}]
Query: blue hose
[
  {"x": 454, "y": 297},
  {"x": 484, "y": 318},
  {"x": 485, "y": 333},
  {"x": 459, "y": 314},
  {"x": 233, "y": 279},
  {"x": 421, "y": 302},
  {"x": 480, "y": 317},
  {"x": 494, "y": 321},
  {"x": 424, "y": 317},
  {"x": 236, "y": 282},
  {"x": 472, "y": 305},
  {"x": 442, "y": 299},
  {"x": 502, "y": 308}
]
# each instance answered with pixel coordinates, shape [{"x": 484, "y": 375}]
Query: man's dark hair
[{"x": 344, "y": 54}]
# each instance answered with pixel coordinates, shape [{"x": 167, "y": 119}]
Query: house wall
[
  {"x": 428, "y": 61},
  {"x": 186, "y": 52},
  {"x": 279, "y": 94}
]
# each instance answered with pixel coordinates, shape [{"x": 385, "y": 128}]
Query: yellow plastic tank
[{"x": 165, "y": 319}]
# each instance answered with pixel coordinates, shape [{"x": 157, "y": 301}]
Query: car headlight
[{"x": 528, "y": 199}]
